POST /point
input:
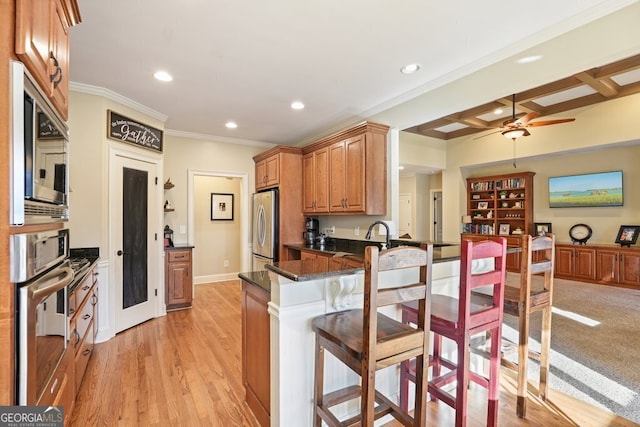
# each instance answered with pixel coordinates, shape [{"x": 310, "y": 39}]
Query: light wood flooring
[{"x": 185, "y": 370}]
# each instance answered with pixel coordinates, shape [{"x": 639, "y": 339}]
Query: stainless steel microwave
[{"x": 39, "y": 154}]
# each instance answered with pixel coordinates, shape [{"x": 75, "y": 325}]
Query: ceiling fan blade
[{"x": 550, "y": 122}]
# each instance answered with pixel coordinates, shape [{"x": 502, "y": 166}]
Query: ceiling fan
[{"x": 516, "y": 127}]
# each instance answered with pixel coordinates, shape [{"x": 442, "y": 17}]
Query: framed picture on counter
[
  {"x": 504, "y": 229},
  {"x": 221, "y": 207}
]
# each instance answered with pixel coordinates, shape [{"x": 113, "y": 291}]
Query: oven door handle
[{"x": 66, "y": 277}]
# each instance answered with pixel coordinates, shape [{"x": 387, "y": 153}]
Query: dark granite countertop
[
  {"x": 178, "y": 247},
  {"x": 257, "y": 278},
  {"x": 310, "y": 269}
]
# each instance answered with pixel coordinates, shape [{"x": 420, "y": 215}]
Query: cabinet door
[
  {"x": 179, "y": 289},
  {"x": 60, "y": 65},
  {"x": 607, "y": 266},
  {"x": 261, "y": 174},
  {"x": 337, "y": 178},
  {"x": 585, "y": 263},
  {"x": 315, "y": 178},
  {"x": 354, "y": 174},
  {"x": 564, "y": 261},
  {"x": 272, "y": 167},
  {"x": 630, "y": 268},
  {"x": 33, "y": 32}
]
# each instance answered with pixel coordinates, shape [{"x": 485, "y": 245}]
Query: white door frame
[
  {"x": 156, "y": 267},
  {"x": 245, "y": 210}
]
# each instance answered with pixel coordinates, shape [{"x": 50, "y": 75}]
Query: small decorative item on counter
[
  {"x": 517, "y": 231},
  {"x": 168, "y": 237}
]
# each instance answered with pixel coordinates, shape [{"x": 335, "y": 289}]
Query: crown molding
[{"x": 216, "y": 138}]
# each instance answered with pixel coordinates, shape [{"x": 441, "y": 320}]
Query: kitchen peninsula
[{"x": 298, "y": 291}]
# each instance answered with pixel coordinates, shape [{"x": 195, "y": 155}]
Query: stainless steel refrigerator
[{"x": 265, "y": 229}]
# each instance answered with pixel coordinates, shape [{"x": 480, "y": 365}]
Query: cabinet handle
[
  {"x": 85, "y": 287},
  {"x": 57, "y": 82},
  {"x": 86, "y": 352},
  {"x": 53, "y": 76},
  {"x": 77, "y": 335},
  {"x": 94, "y": 299},
  {"x": 86, "y": 316}
]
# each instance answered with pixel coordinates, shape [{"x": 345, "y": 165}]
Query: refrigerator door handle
[{"x": 262, "y": 225}]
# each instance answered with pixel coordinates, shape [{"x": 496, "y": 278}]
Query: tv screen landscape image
[{"x": 579, "y": 191}]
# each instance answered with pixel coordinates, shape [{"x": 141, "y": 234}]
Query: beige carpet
[{"x": 595, "y": 344}]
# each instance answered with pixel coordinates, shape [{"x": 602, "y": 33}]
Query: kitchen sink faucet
[{"x": 368, "y": 235}]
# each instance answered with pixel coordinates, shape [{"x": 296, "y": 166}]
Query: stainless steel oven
[
  {"x": 39, "y": 154},
  {"x": 41, "y": 271}
]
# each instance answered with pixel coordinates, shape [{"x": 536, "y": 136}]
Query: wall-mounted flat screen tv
[{"x": 580, "y": 191}]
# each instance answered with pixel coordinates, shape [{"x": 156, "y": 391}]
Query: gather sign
[{"x": 124, "y": 129}]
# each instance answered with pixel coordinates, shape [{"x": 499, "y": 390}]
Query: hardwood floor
[{"x": 184, "y": 369}]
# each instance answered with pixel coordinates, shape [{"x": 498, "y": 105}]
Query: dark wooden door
[{"x": 135, "y": 217}]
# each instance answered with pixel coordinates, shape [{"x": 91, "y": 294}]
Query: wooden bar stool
[
  {"x": 458, "y": 319},
  {"x": 538, "y": 258},
  {"x": 366, "y": 340}
]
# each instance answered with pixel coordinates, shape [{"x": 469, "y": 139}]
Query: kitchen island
[{"x": 303, "y": 289}]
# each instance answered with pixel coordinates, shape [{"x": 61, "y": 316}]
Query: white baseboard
[{"x": 214, "y": 278}]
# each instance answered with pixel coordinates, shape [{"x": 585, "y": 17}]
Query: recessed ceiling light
[
  {"x": 231, "y": 125},
  {"x": 163, "y": 76},
  {"x": 498, "y": 111},
  {"x": 401, "y": 167},
  {"x": 529, "y": 59},
  {"x": 410, "y": 69},
  {"x": 297, "y": 105}
]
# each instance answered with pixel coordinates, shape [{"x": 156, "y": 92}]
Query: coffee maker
[{"x": 313, "y": 230}]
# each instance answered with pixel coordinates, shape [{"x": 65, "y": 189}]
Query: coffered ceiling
[{"x": 600, "y": 84}]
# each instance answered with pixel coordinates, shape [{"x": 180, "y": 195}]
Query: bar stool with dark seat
[
  {"x": 366, "y": 340},
  {"x": 538, "y": 257},
  {"x": 482, "y": 263}
]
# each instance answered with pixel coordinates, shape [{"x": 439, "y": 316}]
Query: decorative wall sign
[
  {"x": 124, "y": 129},
  {"x": 221, "y": 206}
]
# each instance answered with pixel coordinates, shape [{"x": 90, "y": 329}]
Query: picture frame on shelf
[
  {"x": 221, "y": 207},
  {"x": 628, "y": 235},
  {"x": 483, "y": 205},
  {"x": 542, "y": 228},
  {"x": 504, "y": 229}
]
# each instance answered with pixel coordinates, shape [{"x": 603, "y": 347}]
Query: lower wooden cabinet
[
  {"x": 178, "y": 278},
  {"x": 255, "y": 351},
  {"x": 604, "y": 264},
  {"x": 83, "y": 323}
]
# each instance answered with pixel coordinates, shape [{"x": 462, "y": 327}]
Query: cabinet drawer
[
  {"x": 59, "y": 390},
  {"x": 83, "y": 320},
  {"x": 83, "y": 290},
  {"x": 179, "y": 256},
  {"x": 85, "y": 350}
]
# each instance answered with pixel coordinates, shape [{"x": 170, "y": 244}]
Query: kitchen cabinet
[
  {"x": 268, "y": 172},
  {"x": 575, "y": 262},
  {"x": 83, "y": 310},
  {"x": 61, "y": 391},
  {"x": 315, "y": 181},
  {"x": 357, "y": 173},
  {"x": 42, "y": 44},
  {"x": 178, "y": 278},
  {"x": 255, "y": 351}
]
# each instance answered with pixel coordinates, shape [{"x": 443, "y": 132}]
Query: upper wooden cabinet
[
  {"x": 42, "y": 44},
  {"x": 315, "y": 181},
  {"x": 357, "y": 172},
  {"x": 268, "y": 172}
]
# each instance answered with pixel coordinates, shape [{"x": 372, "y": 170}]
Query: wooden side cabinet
[
  {"x": 178, "y": 278},
  {"x": 255, "y": 351},
  {"x": 575, "y": 262}
]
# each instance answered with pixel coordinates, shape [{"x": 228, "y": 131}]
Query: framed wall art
[{"x": 221, "y": 207}]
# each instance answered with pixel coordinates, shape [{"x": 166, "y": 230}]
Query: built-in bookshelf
[{"x": 500, "y": 204}]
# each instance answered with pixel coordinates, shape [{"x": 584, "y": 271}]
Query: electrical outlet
[
  {"x": 357, "y": 231},
  {"x": 330, "y": 230},
  {"x": 226, "y": 263},
  {"x": 183, "y": 229}
]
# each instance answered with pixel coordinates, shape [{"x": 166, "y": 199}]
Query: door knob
[{"x": 119, "y": 253}]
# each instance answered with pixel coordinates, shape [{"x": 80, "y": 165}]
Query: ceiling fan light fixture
[{"x": 513, "y": 133}]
